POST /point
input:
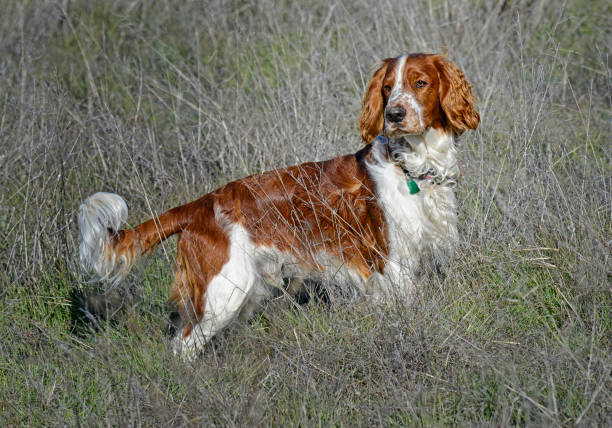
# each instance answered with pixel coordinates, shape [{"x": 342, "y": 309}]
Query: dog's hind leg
[{"x": 225, "y": 292}]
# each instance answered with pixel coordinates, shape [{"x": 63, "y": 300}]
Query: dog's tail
[{"x": 108, "y": 252}]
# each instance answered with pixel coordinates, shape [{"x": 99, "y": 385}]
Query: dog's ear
[
  {"x": 371, "y": 121},
  {"x": 456, "y": 97}
]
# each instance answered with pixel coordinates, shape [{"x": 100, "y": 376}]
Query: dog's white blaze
[
  {"x": 398, "y": 85},
  {"x": 399, "y": 94}
]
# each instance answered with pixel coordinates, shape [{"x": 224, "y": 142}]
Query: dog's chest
[{"x": 422, "y": 224}]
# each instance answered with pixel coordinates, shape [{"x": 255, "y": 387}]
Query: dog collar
[{"x": 413, "y": 186}]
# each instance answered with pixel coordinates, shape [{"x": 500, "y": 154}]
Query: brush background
[{"x": 164, "y": 101}]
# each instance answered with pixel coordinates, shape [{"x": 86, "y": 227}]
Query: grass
[{"x": 162, "y": 102}]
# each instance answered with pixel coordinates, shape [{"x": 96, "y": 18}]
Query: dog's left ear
[{"x": 456, "y": 97}]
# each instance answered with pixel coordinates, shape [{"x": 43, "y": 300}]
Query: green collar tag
[{"x": 413, "y": 186}]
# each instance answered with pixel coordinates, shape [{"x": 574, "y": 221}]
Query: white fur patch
[
  {"x": 99, "y": 213},
  {"x": 398, "y": 85},
  {"x": 422, "y": 225},
  {"x": 433, "y": 151}
]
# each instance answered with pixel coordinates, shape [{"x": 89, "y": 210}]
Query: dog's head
[{"x": 411, "y": 93}]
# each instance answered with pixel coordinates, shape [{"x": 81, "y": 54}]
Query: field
[{"x": 164, "y": 101}]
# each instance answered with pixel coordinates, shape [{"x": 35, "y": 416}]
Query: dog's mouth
[
  {"x": 400, "y": 141},
  {"x": 398, "y": 130}
]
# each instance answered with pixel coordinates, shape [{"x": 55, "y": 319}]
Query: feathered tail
[
  {"x": 108, "y": 252},
  {"x": 100, "y": 218}
]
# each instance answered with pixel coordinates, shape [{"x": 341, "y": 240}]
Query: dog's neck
[{"x": 431, "y": 154}]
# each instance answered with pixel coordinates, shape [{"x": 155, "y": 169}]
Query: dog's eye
[
  {"x": 420, "y": 84},
  {"x": 387, "y": 88}
]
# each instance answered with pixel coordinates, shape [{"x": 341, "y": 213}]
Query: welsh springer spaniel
[{"x": 368, "y": 219}]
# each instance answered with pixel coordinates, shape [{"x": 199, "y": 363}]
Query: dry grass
[{"x": 162, "y": 102}]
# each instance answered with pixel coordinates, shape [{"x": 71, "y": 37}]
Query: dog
[{"x": 368, "y": 219}]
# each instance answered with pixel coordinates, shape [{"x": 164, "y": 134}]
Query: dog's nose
[{"x": 395, "y": 114}]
